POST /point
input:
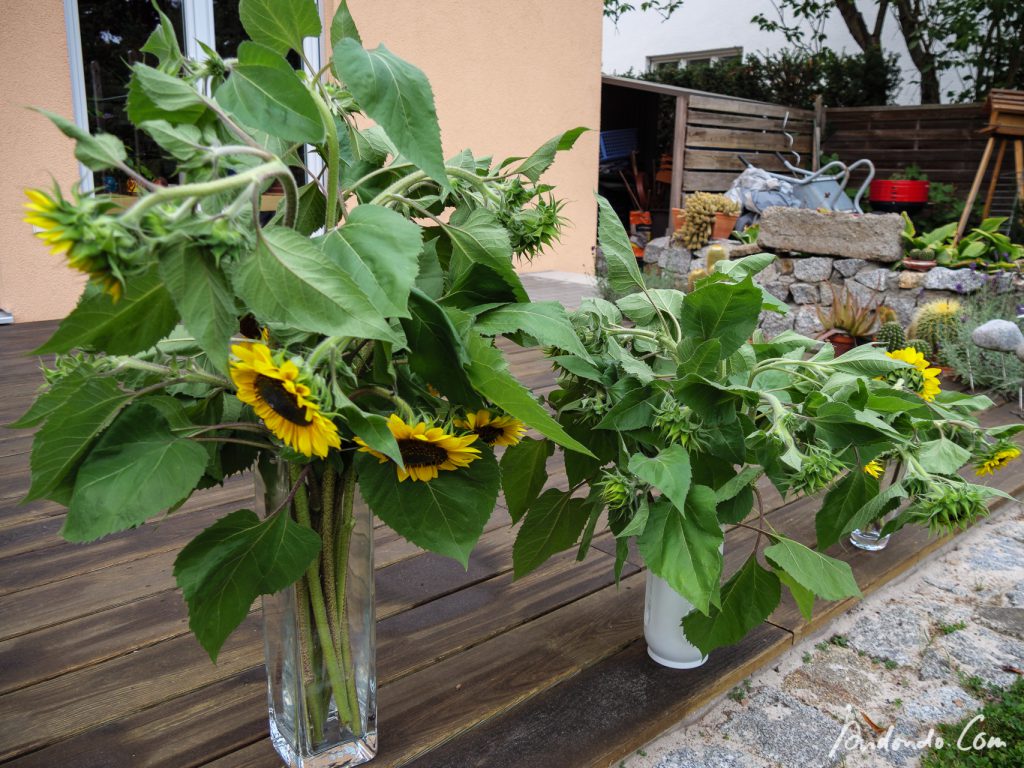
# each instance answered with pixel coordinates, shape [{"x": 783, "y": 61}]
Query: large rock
[
  {"x": 876, "y": 237},
  {"x": 876, "y": 279},
  {"x": 812, "y": 270},
  {"x": 804, "y": 293},
  {"x": 959, "y": 280},
  {"x": 1000, "y": 335},
  {"x": 849, "y": 267}
]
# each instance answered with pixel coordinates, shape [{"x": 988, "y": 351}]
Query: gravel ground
[{"x": 904, "y": 658}]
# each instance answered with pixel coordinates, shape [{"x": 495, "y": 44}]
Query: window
[
  {"x": 104, "y": 38},
  {"x": 693, "y": 58}
]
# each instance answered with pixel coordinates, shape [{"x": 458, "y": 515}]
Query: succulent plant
[
  {"x": 922, "y": 346},
  {"x": 700, "y": 218},
  {"x": 887, "y": 315},
  {"x": 847, "y": 314},
  {"x": 693, "y": 277},
  {"x": 935, "y": 320},
  {"x": 891, "y": 334}
]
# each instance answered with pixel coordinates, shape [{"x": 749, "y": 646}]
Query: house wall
[{"x": 506, "y": 77}]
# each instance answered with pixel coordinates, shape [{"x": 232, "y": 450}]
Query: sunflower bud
[{"x": 617, "y": 491}]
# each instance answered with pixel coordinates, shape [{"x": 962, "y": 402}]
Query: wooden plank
[
  {"x": 721, "y": 138},
  {"x": 714, "y": 103},
  {"x": 727, "y": 160},
  {"x": 679, "y": 154},
  {"x": 706, "y": 181},
  {"x": 729, "y": 120}
]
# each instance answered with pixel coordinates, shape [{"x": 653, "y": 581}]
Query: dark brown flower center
[
  {"x": 420, "y": 453},
  {"x": 283, "y": 402},
  {"x": 489, "y": 434},
  {"x": 250, "y": 327}
]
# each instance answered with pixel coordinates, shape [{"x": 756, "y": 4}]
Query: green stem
[
  {"x": 328, "y": 553},
  {"x": 343, "y": 548},
  {"x": 335, "y": 673},
  {"x": 333, "y": 167},
  {"x": 399, "y": 186},
  {"x": 385, "y": 394},
  {"x": 309, "y": 676}
]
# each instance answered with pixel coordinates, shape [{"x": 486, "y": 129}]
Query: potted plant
[
  {"x": 707, "y": 217},
  {"x": 904, "y": 192},
  {"x": 847, "y": 322},
  {"x": 345, "y": 349},
  {"x": 686, "y": 408}
]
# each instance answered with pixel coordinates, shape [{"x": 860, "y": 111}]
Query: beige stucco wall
[
  {"x": 33, "y": 72},
  {"x": 507, "y": 76}
]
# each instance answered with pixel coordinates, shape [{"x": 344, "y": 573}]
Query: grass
[
  {"x": 739, "y": 693},
  {"x": 949, "y": 629},
  {"x": 1003, "y": 715}
]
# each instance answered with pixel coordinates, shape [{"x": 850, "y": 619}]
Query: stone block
[
  {"x": 849, "y": 267},
  {"x": 773, "y": 324},
  {"x": 876, "y": 279},
  {"x": 875, "y": 237},
  {"x": 804, "y": 293},
  {"x": 785, "y": 265},
  {"x": 865, "y": 296},
  {"x": 654, "y": 249},
  {"x": 815, "y": 269},
  {"x": 826, "y": 294},
  {"x": 957, "y": 280},
  {"x": 779, "y": 290},
  {"x": 675, "y": 260},
  {"x": 910, "y": 280},
  {"x": 805, "y": 321},
  {"x": 902, "y": 305}
]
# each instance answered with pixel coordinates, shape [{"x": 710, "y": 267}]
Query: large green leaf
[
  {"x": 644, "y": 309},
  {"x": 204, "y": 300},
  {"x": 288, "y": 279},
  {"x": 841, "y": 504},
  {"x": 182, "y": 142},
  {"x": 155, "y": 95},
  {"x": 343, "y": 25},
  {"x": 623, "y": 273},
  {"x": 748, "y": 598},
  {"x": 748, "y": 266},
  {"x": 437, "y": 352},
  {"x": 802, "y": 596},
  {"x": 445, "y": 515},
  {"x": 397, "y": 96},
  {"x": 97, "y": 152},
  {"x": 312, "y": 209},
  {"x": 669, "y": 472},
  {"x": 52, "y": 398},
  {"x": 69, "y": 432},
  {"x": 866, "y": 360},
  {"x": 380, "y": 250},
  {"x": 143, "y": 316},
  {"x": 523, "y": 474},
  {"x": 546, "y": 321},
  {"x": 682, "y": 547},
  {"x": 722, "y": 311},
  {"x": 280, "y": 24},
  {"x": 942, "y": 456},
  {"x": 634, "y": 410},
  {"x": 553, "y": 524},
  {"x": 480, "y": 239},
  {"x": 263, "y": 91},
  {"x": 137, "y": 470},
  {"x": 826, "y": 577},
  {"x": 490, "y": 377},
  {"x": 163, "y": 44},
  {"x": 535, "y": 165},
  {"x": 234, "y": 561}
]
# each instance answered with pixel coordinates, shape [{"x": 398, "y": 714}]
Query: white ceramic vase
[{"x": 664, "y": 609}]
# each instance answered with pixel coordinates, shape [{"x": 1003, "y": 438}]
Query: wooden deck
[{"x": 98, "y": 670}]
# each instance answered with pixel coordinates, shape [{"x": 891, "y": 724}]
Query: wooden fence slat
[
  {"x": 728, "y": 120},
  {"x": 722, "y": 138},
  {"x": 757, "y": 108}
]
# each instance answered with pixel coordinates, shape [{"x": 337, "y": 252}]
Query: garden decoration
[
  {"x": 345, "y": 348},
  {"x": 686, "y": 406}
]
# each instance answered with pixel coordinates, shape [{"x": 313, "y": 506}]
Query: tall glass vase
[{"x": 320, "y": 633}]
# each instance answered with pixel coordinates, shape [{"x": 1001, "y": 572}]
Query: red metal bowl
[{"x": 901, "y": 191}]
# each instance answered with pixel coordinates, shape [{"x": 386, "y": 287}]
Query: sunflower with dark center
[
  {"x": 491, "y": 429},
  {"x": 425, "y": 449},
  {"x": 279, "y": 396}
]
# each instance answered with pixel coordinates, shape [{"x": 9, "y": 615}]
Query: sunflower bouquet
[
  {"x": 685, "y": 406},
  {"x": 345, "y": 347}
]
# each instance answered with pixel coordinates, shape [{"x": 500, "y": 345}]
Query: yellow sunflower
[
  {"x": 279, "y": 397},
  {"x": 425, "y": 449},
  {"x": 926, "y": 380},
  {"x": 54, "y": 218},
  {"x": 999, "y": 458},
  {"x": 874, "y": 469},
  {"x": 493, "y": 430}
]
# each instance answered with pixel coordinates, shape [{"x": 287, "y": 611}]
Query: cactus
[
  {"x": 923, "y": 347},
  {"x": 887, "y": 315},
  {"x": 891, "y": 334},
  {"x": 700, "y": 218},
  {"x": 934, "y": 321},
  {"x": 693, "y": 277}
]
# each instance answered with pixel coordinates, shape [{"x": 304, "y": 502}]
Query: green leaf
[
  {"x": 430, "y": 277},
  {"x": 445, "y": 515},
  {"x": 535, "y": 165},
  {"x": 803, "y": 597},
  {"x": 397, "y": 96},
  {"x": 480, "y": 239},
  {"x": 669, "y": 472},
  {"x": 826, "y": 577},
  {"x": 744, "y": 479},
  {"x": 638, "y": 523},
  {"x": 182, "y": 142},
  {"x": 867, "y": 360},
  {"x": 942, "y": 456},
  {"x": 643, "y": 309},
  {"x": 143, "y": 316},
  {"x": 523, "y": 474},
  {"x": 748, "y": 598},
  {"x": 748, "y": 266},
  {"x": 371, "y": 427},
  {"x": 234, "y": 561},
  {"x": 343, "y": 25},
  {"x": 635, "y": 410},
  {"x": 155, "y": 95},
  {"x": 69, "y": 431},
  {"x": 380, "y": 250},
  {"x": 52, "y": 398},
  {"x": 312, "y": 209},
  {"x": 682, "y": 547},
  {"x": 699, "y": 358},
  {"x": 553, "y": 524},
  {"x": 288, "y": 279},
  {"x": 97, "y": 152},
  {"x": 722, "y": 311},
  {"x": 437, "y": 352},
  {"x": 841, "y": 504},
  {"x": 137, "y": 470},
  {"x": 163, "y": 44},
  {"x": 546, "y": 321},
  {"x": 280, "y": 24},
  {"x": 623, "y": 273},
  {"x": 490, "y": 377},
  {"x": 263, "y": 91},
  {"x": 203, "y": 299}
]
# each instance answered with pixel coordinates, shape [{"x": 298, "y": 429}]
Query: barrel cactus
[
  {"x": 922, "y": 346},
  {"x": 891, "y": 334},
  {"x": 934, "y": 321},
  {"x": 700, "y": 218}
]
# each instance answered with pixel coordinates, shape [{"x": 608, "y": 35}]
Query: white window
[{"x": 693, "y": 58}]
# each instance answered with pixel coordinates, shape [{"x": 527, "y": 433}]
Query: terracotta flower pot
[
  {"x": 723, "y": 226},
  {"x": 918, "y": 265}
]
